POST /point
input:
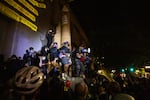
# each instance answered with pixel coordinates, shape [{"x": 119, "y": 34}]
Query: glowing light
[{"x": 147, "y": 67}]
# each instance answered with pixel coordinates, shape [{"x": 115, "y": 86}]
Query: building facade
[{"x": 25, "y": 23}]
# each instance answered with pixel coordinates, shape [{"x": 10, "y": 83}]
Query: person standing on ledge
[{"x": 50, "y": 37}]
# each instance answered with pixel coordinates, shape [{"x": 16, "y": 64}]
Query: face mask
[
  {"x": 31, "y": 51},
  {"x": 46, "y": 49},
  {"x": 43, "y": 58}
]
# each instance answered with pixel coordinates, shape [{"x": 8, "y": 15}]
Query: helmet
[
  {"x": 28, "y": 79},
  {"x": 66, "y": 44},
  {"x": 123, "y": 96}
]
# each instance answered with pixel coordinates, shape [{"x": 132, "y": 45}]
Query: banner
[{"x": 23, "y": 11}]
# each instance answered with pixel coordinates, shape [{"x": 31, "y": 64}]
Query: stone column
[
  {"x": 66, "y": 35},
  {"x": 57, "y": 37}
]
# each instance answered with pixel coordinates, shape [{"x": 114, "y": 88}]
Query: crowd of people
[
  {"x": 78, "y": 59},
  {"x": 53, "y": 62},
  {"x": 55, "y": 84},
  {"x": 61, "y": 74}
]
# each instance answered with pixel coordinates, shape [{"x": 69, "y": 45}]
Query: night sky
[{"x": 116, "y": 29}]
